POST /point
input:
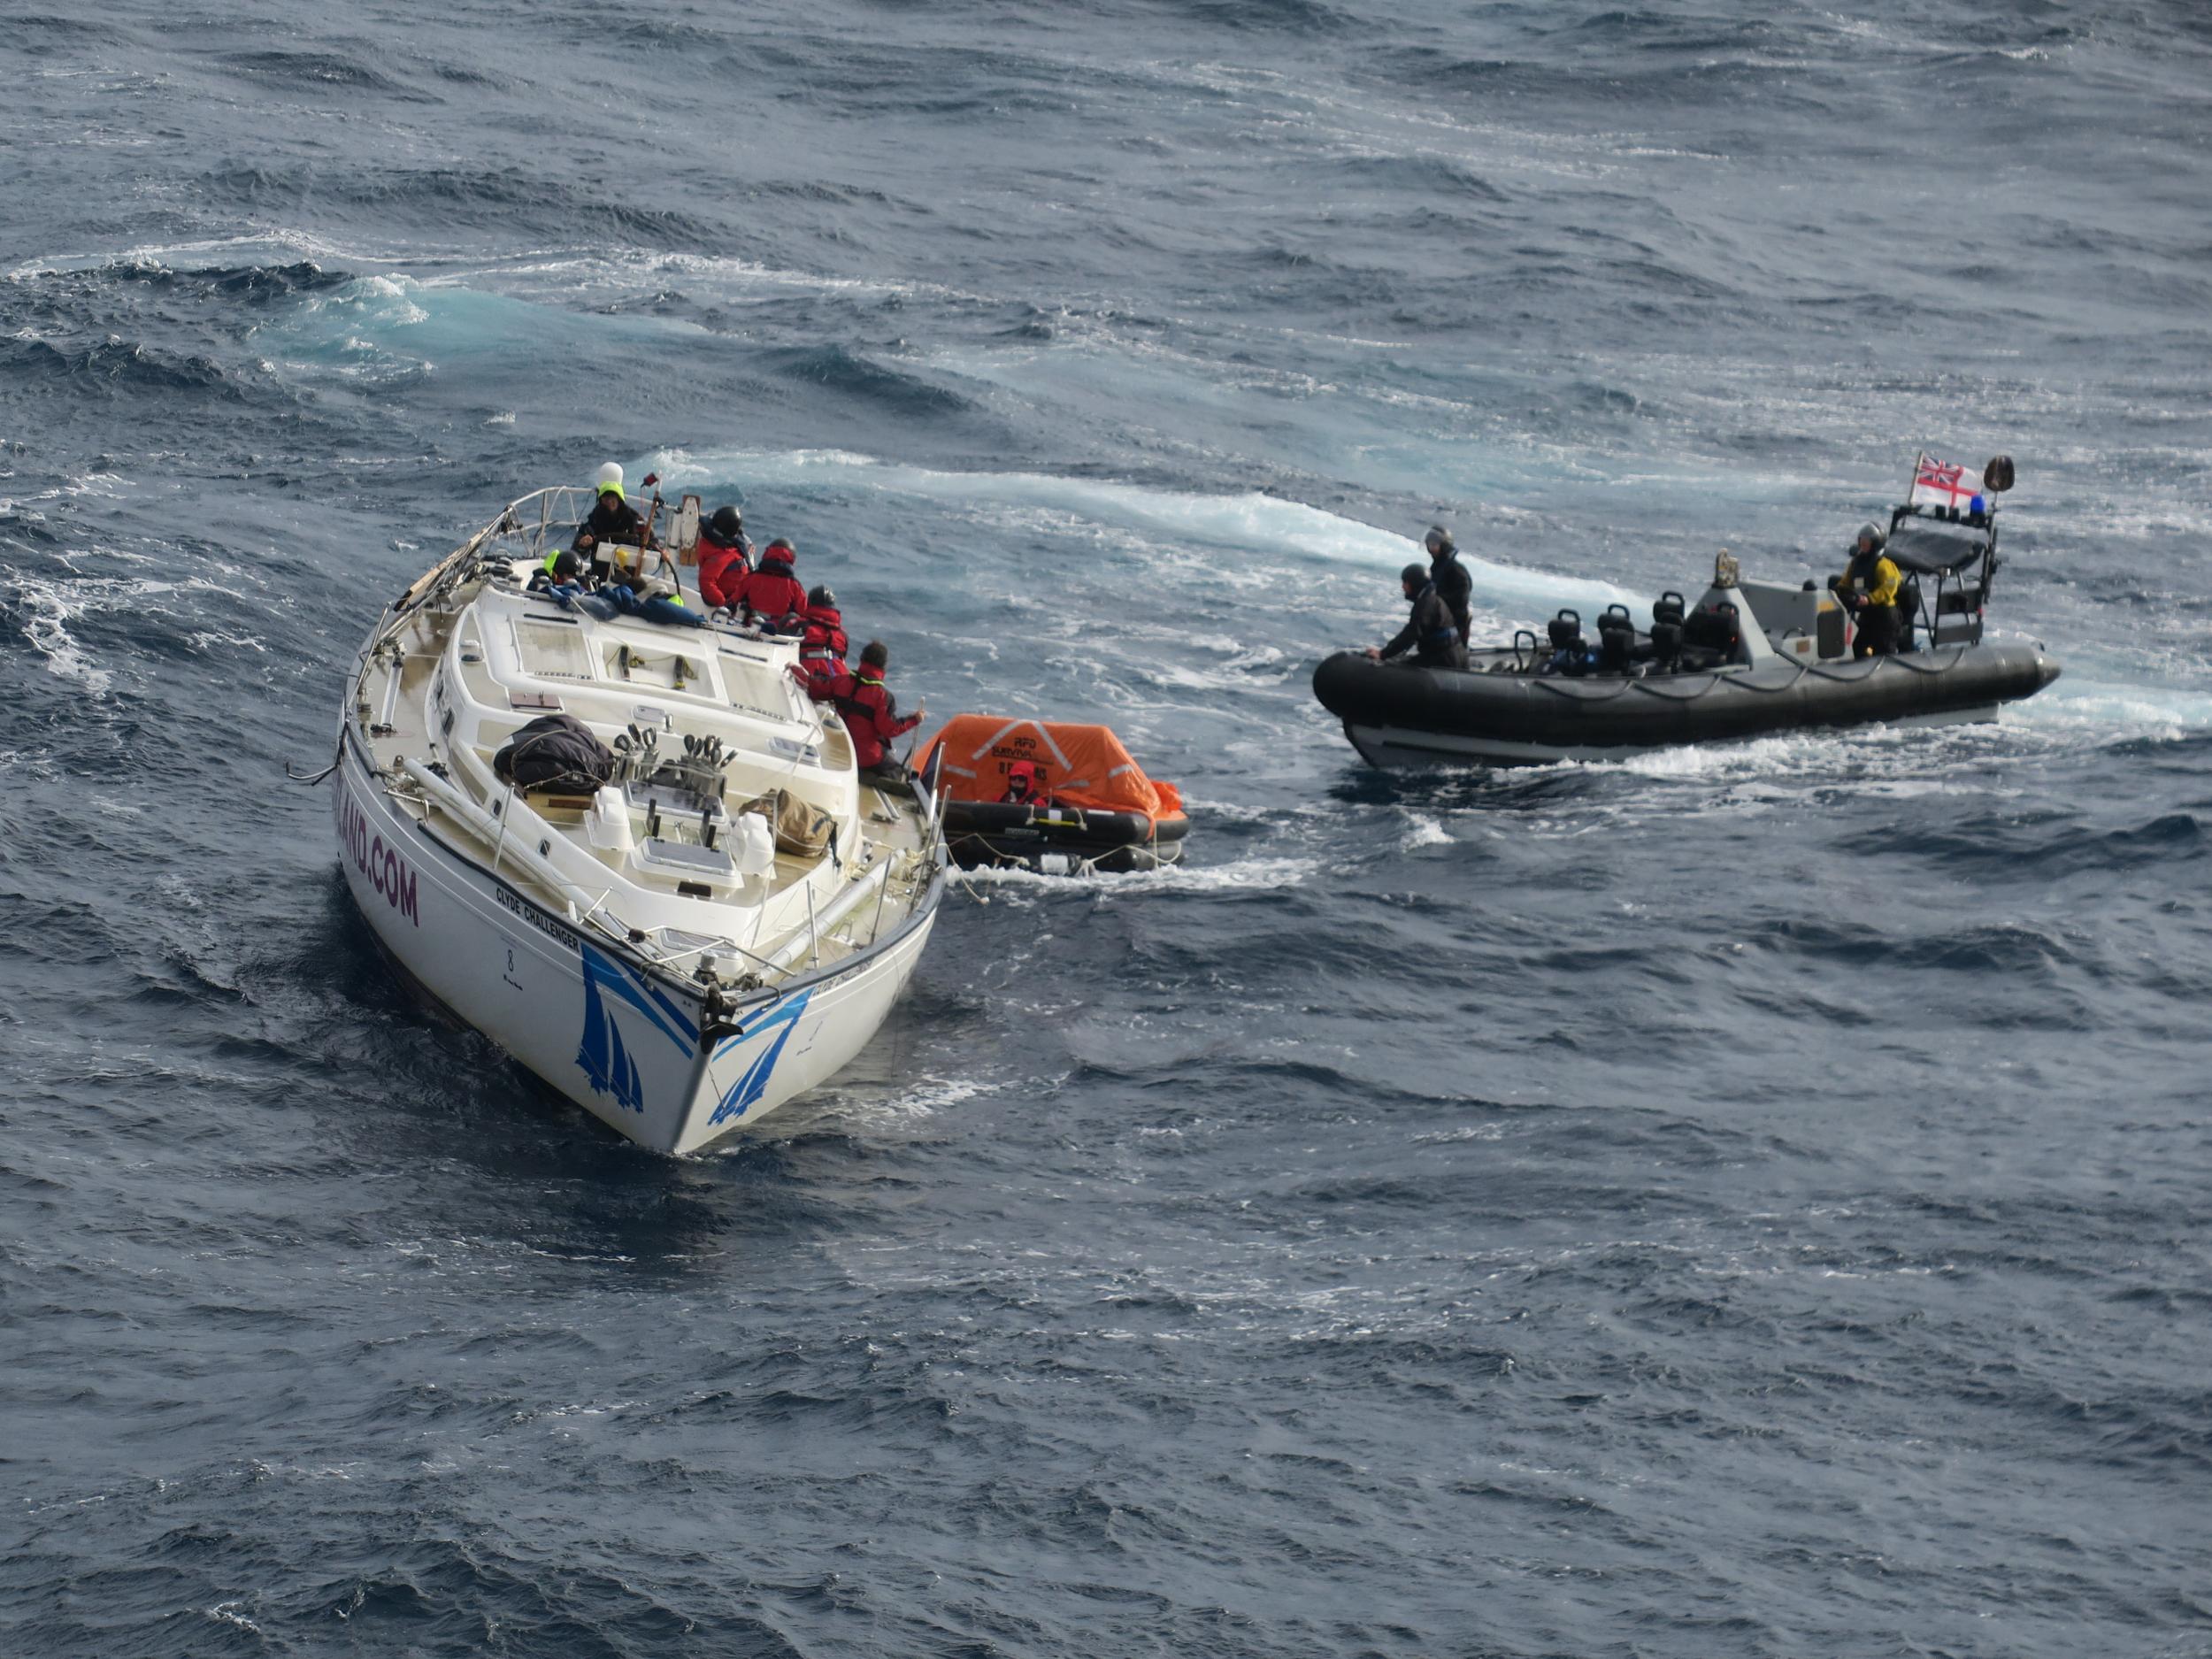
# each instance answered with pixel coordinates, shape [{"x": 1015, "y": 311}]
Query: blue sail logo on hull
[
  {"x": 749, "y": 1090},
  {"x": 600, "y": 1052}
]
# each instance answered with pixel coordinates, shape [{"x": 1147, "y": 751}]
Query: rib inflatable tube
[{"x": 1399, "y": 716}]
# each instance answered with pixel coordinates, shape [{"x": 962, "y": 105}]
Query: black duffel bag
[{"x": 556, "y": 751}]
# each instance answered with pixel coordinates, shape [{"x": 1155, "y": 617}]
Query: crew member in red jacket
[
  {"x": 872, "y": 715},
  {"x": 822, "y": 652},
  {"x": 772, "y": 593},
  {"x": 726, "y": 558}
]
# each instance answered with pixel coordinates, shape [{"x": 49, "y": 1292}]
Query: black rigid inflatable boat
[
  {"x": 1751, "y": 659},
  {"x": 1495, "y": 715}
]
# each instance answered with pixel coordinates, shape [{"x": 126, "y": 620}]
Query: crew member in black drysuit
[
  {"x": 1454, "y": 585},
  {"x": 1430, "y": 633}
]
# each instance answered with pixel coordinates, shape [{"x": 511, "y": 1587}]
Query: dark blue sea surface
[{"x": 1741, "y": 1201}]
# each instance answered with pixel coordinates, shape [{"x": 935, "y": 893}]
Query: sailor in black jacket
[
  {"x": 613, "y": 521},
  {"x": 1454, "y": 585},
  {"x": 1430, "y": 633}
]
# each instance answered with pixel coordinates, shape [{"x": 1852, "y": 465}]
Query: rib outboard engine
[
  {"x": 1616, "y": 640},
  {"x": 1666, "y": 630}
]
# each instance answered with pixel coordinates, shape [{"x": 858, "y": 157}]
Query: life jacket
[
  {"x": 1866, "y": 575},
  {"x": 870, "y": 716},
  {"x": 723, "y": 568},
  {"x": 772, "y": 593},
  {"x": 825, "y": 632},
  {"x": 822, "y": 652}
]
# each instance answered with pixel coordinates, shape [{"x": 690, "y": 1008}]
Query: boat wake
[{"x": 1249, "y": 525}]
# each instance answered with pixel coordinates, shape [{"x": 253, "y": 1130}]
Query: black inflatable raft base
[{"x": 1059, "y": 840}]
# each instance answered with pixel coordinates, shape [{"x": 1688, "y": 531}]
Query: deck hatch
[
  {"x": 688, "y": 859},
  {"x": 549, "y": 651}
]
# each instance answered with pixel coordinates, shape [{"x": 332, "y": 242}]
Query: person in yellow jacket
[{"x": 1868, "y": 588}]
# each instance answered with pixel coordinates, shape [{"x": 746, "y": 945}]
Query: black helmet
[
  {"x": 565, "y": 566},
  {"x": 823, "y": 597},
  {"x": 727, "y": 524},
  {"x": 1415, "y": 573},
  {"x": 1439, "y": 540}
]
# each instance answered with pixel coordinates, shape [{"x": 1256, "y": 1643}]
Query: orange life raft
[{"x": 1095, "y": 808}]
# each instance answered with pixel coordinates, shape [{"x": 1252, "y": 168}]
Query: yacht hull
[{"x": 599, "y": 1026}]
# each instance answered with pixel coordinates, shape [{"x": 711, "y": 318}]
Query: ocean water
[{"x": 1741, "y": 1201}]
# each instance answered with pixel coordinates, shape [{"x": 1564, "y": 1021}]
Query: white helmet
[{"x": 610, "y": 478}]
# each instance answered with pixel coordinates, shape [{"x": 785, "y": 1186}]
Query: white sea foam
[
  {"x": 2101, "y": 705},
  {"x": 849, "y": 1105},
  {"x": 400, "y": 289},
  {"x": 1423, "y": 831},
  {"x": 50, "y": 606},
  {"x": 1240, "y": 875},
  {"x": 1244, "y": 521},
  {"x": 210, "y": 639},
  {"x": 291, "y": 246},
  {"x": 1471, "y": 1131}
]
